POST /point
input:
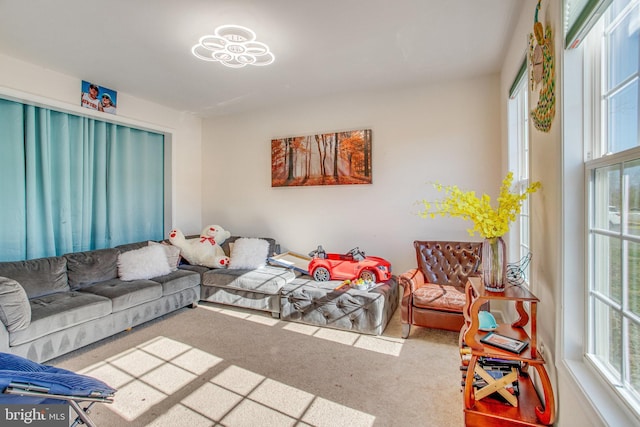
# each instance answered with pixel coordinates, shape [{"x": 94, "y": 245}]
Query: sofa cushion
[
  {"x": 177, "y": 281},
  {"x": 268, "y": 280},
  {"x": 200, "y": 269},
  {"x": 439, "y": 297},
  {"x": 59, "y": 311},
  {"x": 123, "y": 294},
  {"x": 87, "y": 268},
  {"x": 249, "y": 253},
  {"x": 132, "y": 246},
  {"x": 143, "y": 263},
  {"x": 38, "y": 277},
  {"x": 15, "y": 310}
]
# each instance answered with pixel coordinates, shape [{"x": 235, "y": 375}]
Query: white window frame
[
  {"x": 518, "y": 134},
  {"x": 596, "y": 156}
]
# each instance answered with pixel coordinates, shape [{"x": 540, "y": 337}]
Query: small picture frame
[
  {"x": 506, "y": 343},
  {"x": 97, "y": 97}
]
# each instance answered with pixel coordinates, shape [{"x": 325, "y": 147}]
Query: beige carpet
[{"x": 225, "y": 367}]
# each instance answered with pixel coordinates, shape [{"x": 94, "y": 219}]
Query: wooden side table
[{"x": 480, "y": 408}]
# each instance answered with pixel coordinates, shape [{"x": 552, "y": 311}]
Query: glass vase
[{"x": 494, "y": 264}]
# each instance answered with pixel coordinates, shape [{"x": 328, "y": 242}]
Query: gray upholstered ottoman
[{"x": 319, "y": 303}]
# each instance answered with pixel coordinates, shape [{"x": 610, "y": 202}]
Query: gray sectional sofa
[
  {"x": 51, "y": 306},
  {"x": 254, "y": 288}
]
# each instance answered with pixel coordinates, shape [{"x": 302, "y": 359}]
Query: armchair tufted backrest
[{"x": 448, "y": 263}]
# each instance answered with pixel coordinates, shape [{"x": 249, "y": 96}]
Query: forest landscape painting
[{"x": 335, "y": 158}]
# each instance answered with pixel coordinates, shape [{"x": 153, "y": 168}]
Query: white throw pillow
[
  {"x": 172, "y": 252},
  {"x": 249, "y": 253},
  {"x": 143, "y": 263}
]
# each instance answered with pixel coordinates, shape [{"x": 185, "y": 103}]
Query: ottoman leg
[{"x": 406, "y": 328}]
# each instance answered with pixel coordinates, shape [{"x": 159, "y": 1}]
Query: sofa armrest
[{"x": 4, "y": 339}]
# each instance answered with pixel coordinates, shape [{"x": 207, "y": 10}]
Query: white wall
[
  {"x": 27, "y": 81},
  {"x": 448, "y": 132}
]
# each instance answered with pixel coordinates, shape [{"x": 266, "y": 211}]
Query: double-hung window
[
  {"x": 518, "y": 116},
  {"x": 612, "y": 182}
]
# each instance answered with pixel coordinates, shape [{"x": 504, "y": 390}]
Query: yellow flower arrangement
[{"x": 488, "y": 221}]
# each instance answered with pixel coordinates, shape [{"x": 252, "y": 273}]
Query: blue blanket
[{"x": 15, "y": 369}]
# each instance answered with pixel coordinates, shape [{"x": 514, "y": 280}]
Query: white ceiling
[{"x": 321, "y": 47}]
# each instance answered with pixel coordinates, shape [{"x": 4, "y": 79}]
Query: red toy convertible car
[{"x": 352, "y": 265}]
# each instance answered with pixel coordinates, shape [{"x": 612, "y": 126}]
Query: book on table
[{"x": 504, "y": 342}]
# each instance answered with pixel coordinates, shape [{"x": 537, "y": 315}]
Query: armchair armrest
[{"x": 410, "y": 281}]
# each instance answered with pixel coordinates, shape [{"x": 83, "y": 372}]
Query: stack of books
[{"x": 465, "y": 358}]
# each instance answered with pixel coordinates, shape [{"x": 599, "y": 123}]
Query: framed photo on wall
[
  {"x": 335, "y": 158},
  {"x": 97, "y": 97}
]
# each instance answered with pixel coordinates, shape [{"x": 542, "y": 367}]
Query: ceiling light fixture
[{"x": 233, "y": 46}]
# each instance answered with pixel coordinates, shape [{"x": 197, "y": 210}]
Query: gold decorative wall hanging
[{"x": 542, "y": 75}]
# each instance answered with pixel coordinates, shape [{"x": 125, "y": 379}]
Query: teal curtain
[
  {"x": 13, "y": 244},
  {"x": 73, "y": 183}
]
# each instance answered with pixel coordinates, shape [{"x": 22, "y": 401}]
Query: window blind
[
  {"x": 580, "y": 16},
  {"x": 521, "y": 72}
]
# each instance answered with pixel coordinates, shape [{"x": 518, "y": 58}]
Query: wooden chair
[{"x": 434, "y": 292}]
